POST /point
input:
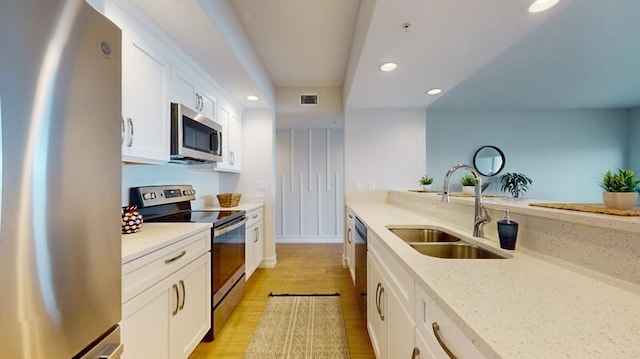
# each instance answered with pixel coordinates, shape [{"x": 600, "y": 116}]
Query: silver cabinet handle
[
  {"x": 111, "y": 351},
  {"x": 131, "y": 132},
  {"x": 349, "y": 235},
  {"x": 122, "y": 131},
  {"x": 381, "y": 303},
  {"x": 184, "y": 294},
  {"x": 175, "y": 311},
  {"x": 378, "y": 298},
  {"x": 436, "y": 332},
  {"x": 416, "y": 353},
  {"x": 232, "y": 158},
  {"x": 350, "y": 216},
  {"x": 254, "y": 216},
  {"x": 256, "y": 231},
  {"x": 173, "y": 259}
]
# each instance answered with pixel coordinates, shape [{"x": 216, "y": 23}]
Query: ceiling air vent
[{"x": 309, "y": 99}]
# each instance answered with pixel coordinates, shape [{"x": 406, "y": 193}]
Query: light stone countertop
[
  {"x": 522, "y": 307},
  {"x": 240, "y": 207},
  {"x": 154, "y": 236}
]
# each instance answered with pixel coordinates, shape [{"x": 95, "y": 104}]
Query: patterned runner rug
[{"x": 300, "y": 327}]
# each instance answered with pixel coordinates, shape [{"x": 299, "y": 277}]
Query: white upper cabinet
[
  {"x": 231, "y": 141},
  {"x": 145, "y": 93},
  {"x": 186, "y": 90}
]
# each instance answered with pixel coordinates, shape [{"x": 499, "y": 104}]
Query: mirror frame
[{"x": 475, "y": 156}]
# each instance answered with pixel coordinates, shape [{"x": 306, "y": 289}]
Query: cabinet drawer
[
  {"x": 427, "y": 312},
  {"x": 254, "y": 216},
  {"x": 144, "y": 272}
]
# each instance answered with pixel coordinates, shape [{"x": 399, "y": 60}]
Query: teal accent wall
[
  {"x": 634, "y": 140},
  {"x": 565, "y": 152}
]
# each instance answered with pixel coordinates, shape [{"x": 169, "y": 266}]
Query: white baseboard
[
  {"x": 268, "y": 262},
  {"x": 309, "y": 240}
]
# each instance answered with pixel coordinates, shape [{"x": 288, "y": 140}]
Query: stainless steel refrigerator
[{"x": 60, "y": 174}]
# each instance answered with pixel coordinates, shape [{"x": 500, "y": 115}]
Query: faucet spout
[{"x": 480, "y": 216}]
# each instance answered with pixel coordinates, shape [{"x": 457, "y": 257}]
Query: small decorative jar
[{"x": 131, "y": 219}]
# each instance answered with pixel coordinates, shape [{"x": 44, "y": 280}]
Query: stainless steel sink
[
  {"x": 422, "y": 234},
  {"x": 460, "y": 250}
]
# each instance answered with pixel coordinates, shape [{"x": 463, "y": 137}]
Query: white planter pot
[
  {"x": 469, "y": 189},
  {"x": 427, "y": 187},
  {"x": 620, "y": 200}
]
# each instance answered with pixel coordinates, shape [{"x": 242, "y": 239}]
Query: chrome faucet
[{"x": 481, "y": 217}]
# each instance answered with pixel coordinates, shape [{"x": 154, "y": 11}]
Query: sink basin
[
  {"x": 422, "y": 234},
  {"x": 461, "y": 250}
]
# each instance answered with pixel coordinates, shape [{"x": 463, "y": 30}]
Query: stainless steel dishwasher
[{"x": 360, "y": 240}]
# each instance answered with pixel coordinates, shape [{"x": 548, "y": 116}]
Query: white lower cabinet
[
  {"x": 421, "y": 349},
  {"x": 166, "y": 307},
  {"x": 254, "y": 238},
  {"x": 440, "y": 334},
  {"x": 389, "y": 304},
  {"x": 350, "y": 245}
]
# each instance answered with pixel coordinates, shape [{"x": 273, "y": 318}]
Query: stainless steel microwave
[{"x": 194, "y": 138}]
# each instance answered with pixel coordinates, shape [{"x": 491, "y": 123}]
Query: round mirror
[{"x": 488, "y": 160}]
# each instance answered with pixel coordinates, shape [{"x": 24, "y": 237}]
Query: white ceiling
[
  {"x": 301, "y": 43},
  {"x": 463, "y": 46}
]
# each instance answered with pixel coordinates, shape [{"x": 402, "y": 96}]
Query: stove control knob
[
  {"x": 153, "y": 195},
  {"x": 146, "y": 196}
]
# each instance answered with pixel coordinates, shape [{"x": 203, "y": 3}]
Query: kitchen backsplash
[{"x": 204, "y": 180}]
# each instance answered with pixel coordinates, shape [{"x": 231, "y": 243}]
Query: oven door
[
  {"x": 194, "y": 136},
  {"x": 228, "y": 255}
]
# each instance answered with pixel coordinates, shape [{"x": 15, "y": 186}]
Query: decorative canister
[{"x": 131, "y": 219}]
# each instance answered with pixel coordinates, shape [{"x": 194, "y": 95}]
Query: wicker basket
[{"x": 229, "y": 199}]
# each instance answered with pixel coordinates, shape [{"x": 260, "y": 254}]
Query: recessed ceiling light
[
  {"x": 388, "y": 66},
  {"x": 541, "y": 5},
  {"x": 434, "y": 91},
  {"x": 253, "y": 98}
]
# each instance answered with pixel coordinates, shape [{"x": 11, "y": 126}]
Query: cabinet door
[
  {"x": 258, "y": 245},
  {"x": 145, "y": 105},
  {"x": 190, "y": 309},
  {"x": 421, "y": 348},
  {"x": 145, "y": 325},
  {"x": 231, "y": 141},
  {"x": 400, "y": 326},
  {"x": 182, "y": 90},
  {"x": 249, "y": 236},
  {"x": 235, "y": 142},
  {"x": 351, "y": 245},
  {"x": 376, "y": 324},
  {"x": 254, "y": 247},
  {"x": 207, "y": 106}
]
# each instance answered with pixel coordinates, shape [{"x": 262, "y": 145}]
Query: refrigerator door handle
[{"x": 112, "y": 351}]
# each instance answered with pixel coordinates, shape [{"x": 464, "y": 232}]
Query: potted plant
[
  {"x": 426, "y": 181},
  {"x": 515, "y": 183},
  {"x": 621, "y": 189},
  {"x": 468, "y": 183}
]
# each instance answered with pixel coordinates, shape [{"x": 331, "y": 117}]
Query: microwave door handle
[{"x": 219, "y": 149}]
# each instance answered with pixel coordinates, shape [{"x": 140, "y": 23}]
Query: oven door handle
[{"x": 223, "y": 230}]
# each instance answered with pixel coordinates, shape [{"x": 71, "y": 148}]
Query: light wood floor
[{"x": 303, "y": 269}]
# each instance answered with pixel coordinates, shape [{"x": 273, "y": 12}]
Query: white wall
[
  {"x": 565, "y": 152},
  {"x": 384, "y": 149},
  {"x": 257, "y": 182},
  {"x": 309, "y": 167},
  {"x": 204, "y": 180}
]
